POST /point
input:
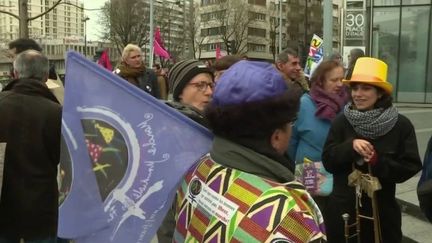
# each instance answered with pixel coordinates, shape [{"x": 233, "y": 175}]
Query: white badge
[{"x": 214, "y": 204}]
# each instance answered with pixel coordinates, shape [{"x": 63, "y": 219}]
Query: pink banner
[
  {"x": 159, "y": 48},
  {"x": 158, "y": 38},
  {"x": 105, "y": 61},
  {"x": 218, "y": 51}
]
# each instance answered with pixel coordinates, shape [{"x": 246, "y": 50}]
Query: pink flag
[
  {"x": 158, "y": 50},
  {"x": 105, "y": 61},
  {"x": 218, "y": 51},
  {"x": 158, "y": 47},
  {"x": 158, "y": 38}
]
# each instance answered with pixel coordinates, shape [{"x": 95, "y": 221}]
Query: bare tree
[
  {"x": 233, "y": 19},
  {"x": 125, "y": 22},
  {"x": 24, "y": 18},
  {"x": 165, "y": 16},
  {"x": 193, "y": 27},
  {"x": 274, "y": 28}
]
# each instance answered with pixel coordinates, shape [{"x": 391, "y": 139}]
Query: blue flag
[{"x": 123, "y": 155}]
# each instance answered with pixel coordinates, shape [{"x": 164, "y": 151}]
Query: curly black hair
[{"x": 254, "y": 119}]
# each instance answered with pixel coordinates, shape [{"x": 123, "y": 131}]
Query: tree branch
[
  {"x": 11, "y": 14},
  {"x": 42, "y": 14},
  {"x": 79, "y": 7}
]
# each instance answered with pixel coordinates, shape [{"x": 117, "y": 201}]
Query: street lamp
[{"x": 85, "y": 35}]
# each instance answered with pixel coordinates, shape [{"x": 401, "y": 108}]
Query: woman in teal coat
[{"x": 318, "y": 108}]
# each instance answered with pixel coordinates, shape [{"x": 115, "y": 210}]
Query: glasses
[{"x": 202, "y": 86}]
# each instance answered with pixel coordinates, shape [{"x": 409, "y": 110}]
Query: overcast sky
[{"x": 93, "y": 28}]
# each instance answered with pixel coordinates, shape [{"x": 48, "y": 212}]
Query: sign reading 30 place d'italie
[{"x": 354, "y": 24}]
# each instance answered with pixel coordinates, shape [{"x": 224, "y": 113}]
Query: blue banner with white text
[{"x": 123, "y": 155}]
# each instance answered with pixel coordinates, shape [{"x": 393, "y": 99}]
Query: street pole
[
  {"x": 85, "y": 35},
  {"x": 151, "y": 34},
  {"x": 328, "y": 27},
  {"x": 280, "y": 26},
  {"x": 306, "y": 41}
]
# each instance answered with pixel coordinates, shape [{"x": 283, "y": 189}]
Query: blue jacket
[{"x": 309, "y": 133}]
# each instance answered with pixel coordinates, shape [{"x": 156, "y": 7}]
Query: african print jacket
[{"x": 220, "y": 204}]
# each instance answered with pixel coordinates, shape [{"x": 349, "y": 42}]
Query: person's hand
[
  {"x": 372, "y": 159},
  {"x": 364, "y": 148}
]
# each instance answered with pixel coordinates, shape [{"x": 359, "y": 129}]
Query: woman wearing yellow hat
[{"x": 369, "y": 135}]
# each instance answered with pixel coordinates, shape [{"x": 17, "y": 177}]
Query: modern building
[
  {"x": 253, "y": 26},
  {"x": 56, "y": 51},
  {"x": 172, "y": 18},
  {"x": 65, "y": 20},
  {"x": 400, "y": 34}
]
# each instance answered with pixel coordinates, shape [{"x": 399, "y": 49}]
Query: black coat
[
  {"x": 147, "y": 81},
  {"x": 398, "y": 160},
  {"x": 30, "y": 121}
]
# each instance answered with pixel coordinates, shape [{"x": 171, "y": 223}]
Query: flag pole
[{"x": 151, "y": 35}]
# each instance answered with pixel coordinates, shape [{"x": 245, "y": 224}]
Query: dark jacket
[
  {"x": 30, "y": 126},
  {"x": 424, "y": 188},
  {"x": 398, "y": 160},
  {"x": 147, "y": 82},
  {"x": 236, "y": 156},
  {"x": 166, "y": 230},
  {"x": 189, "y": 111}
]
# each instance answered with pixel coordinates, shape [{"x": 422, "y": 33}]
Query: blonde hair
[{"x": 128, "y": 49}]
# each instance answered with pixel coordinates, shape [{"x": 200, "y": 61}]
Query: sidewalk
[
  {"x": 413, "y": 105},
  {"x": 415, "y": 226}
]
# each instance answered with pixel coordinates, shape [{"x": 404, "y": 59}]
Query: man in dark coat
[
  {"x": 288, "y": 64},
  {"x": 54, "y": 83},
  {"x": 30, "y": 126}
]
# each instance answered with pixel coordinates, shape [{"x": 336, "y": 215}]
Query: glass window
[
  {"x": 413, "y": 2},
  {"x": 385, "y": 40},
  {"x": 413, "y": 55},
  {"x": 386, "y": 2}
]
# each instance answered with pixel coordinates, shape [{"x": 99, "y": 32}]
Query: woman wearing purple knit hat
[{"x": 242, "y": 191}]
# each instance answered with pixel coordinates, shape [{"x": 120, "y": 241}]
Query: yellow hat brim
[{"x": 386, "y": 86}]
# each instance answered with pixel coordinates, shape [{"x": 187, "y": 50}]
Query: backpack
[{"x": 424, "y": 187}]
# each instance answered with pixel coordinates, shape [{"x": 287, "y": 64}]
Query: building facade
[
  {"x": 400, "y": 34},
  {"x": 56, "y": 51},
  {"x": 252, "y": 26},
  {"x": 63, "y": 21},
  {"x": 171, "y": 16}
]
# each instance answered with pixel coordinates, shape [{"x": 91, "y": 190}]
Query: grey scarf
[{"x": 371, "y": 124}]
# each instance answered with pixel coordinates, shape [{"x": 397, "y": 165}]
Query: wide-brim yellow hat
[{"x": 370, "y": 71}]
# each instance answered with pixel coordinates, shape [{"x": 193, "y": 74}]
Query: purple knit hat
[{"x": 248, "y": 81}]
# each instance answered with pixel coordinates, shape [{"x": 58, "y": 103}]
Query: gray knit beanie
[{"x": 182, "y": 73}]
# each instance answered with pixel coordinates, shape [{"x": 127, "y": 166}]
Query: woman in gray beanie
[{"x": 191, "y": 88}]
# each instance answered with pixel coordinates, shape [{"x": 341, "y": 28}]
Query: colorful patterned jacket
[{"x": 221, "y": 204}]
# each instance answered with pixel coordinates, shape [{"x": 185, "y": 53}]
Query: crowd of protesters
[{"x": 271, "y": 124}]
